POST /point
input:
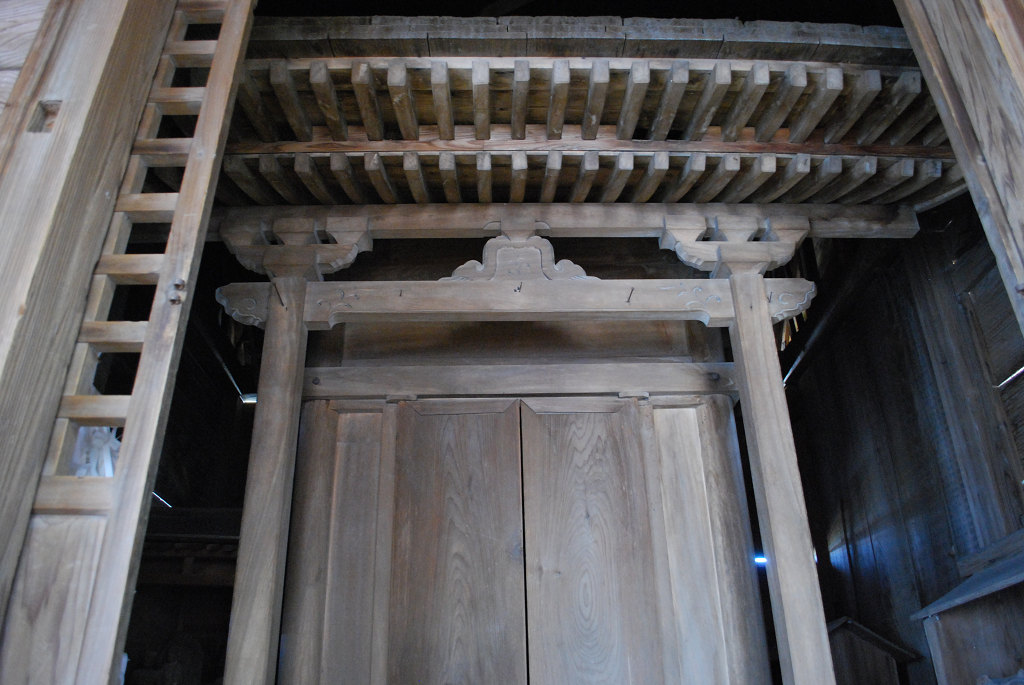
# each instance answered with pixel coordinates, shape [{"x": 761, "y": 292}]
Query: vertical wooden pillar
[
  {"x": 792, "y": 578},
  {"x": 262, "y": 549}
]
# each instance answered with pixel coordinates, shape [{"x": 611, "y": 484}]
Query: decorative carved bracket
[
  {"x": 733, "y": 244},
  {"x": 246, "y": 303},
  {"x": 305, "y": 247},
  {"x": 518, "y": 255}
]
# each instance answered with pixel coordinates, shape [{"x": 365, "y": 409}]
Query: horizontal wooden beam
[
  {"x": 518, "y": 379},
  {"x": 586, "y": 299},
  {"x": 536, "y": 140},
  {"x": 72, "y": 495},
  {"x": 593, "y": 220}
]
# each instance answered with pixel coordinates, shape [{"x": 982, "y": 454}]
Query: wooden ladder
[{"x": 98, "y": 523}]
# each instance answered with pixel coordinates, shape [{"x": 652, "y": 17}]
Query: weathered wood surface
[
  {"x": 263, "y": 542},
  {"x": 590, "y": 578},
  {"x": 792, "y": 577},
  {"x": 971, "y": 61},
  {"x": 57, "y": 192},
  {"x": 517, "y": 379},
  {"x": 458, "y": 598},
  {"x": 331, "y": 303},
  {"x": 586, "y": 221},
  {"x": 19, "y": 22}
]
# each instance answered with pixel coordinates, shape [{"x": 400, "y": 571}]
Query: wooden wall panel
[
  {"x": 457, "y": 588},
  {"x": 593, "y": 613}
]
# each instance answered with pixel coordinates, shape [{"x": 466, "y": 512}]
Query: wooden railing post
[
  {"x": 792, "y": 578},
  {"x": 262, "y": 549}
]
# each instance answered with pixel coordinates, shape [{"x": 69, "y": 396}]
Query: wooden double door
[{"x": 553, "y": 541}]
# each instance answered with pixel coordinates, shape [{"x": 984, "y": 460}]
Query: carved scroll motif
[
  {"x": 786, "y": 302},
  {"x": 517, "y": 259},
  {"x": 246, "y": 303}
]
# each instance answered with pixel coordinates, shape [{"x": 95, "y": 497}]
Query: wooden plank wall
[
  {"x": 906, "y": 446},
  {"x": 19, "y": 22}
]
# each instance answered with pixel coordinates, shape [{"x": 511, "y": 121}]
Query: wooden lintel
[
  {"x": 331, "y": 303},
  {"x": 518, "y": 379},
  {"x": 592, "y": 220}
]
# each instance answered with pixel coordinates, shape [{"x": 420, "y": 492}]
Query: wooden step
[
  {"x": 148, "y": 208},
  {"x": 71, "y": 495},
  {"x": 163, "y": 152},
  {"x": 202, "y": 11},
  {"x": 131, "y": 269},
  {"x": 114, "y": 336},
  {"x": 191, "y": 53},
  {"x": 178, "y": 101},
  {"x": 95, "y": 410}
]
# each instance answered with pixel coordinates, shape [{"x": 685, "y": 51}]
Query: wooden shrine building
[{"x": 497, "y": 305}]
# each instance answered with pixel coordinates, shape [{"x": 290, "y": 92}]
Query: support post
[
  {"x": 262, "y": 549},
  {"x": 804, "y": 650}
]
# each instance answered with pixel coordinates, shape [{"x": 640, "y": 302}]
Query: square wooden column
[
  {"x": 792, "y": 578},
  {"x": 262, "y": 549}
]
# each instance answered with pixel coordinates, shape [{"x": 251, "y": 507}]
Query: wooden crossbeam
[
  {"x": 331, "y": 303},
  {"x": 590, "y": 220}
]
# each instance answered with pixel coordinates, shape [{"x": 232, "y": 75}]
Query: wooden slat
[
  {"x": 131, "y": 269},
  {"x": 163, "y": 152},
  {"x": 668, "y": 105},
  {"x": 552, "y": 170},
  {"x": 916, "y": 120},
  {"x": 777, "y": 185},
  {"x": 288, "y": 97},
  {"x": 68, "y": 495},
  {"x": 484, "y": 177},
  {"x": 365, "y": 89},
  {"x": 597, "y": 93},
  {"x": 830, "y": 85},
  {"x": 285, "y": 185},
  {"x": 802, "y": 639},
  {"x": 694, "y": 168},
  {"x": 925, "y": 172},
  {"x": 251, "y": 102},
  {"x": 788, "y": 92},
  {"x": 558, "y": 99},
  {"x": 656, "y": 169},
  {"x": 727, "y": 167},
  {"x": 449, "y": 177},
  {"x": 517, "y": 188},
  {"x": 178, "y": 101},
  {"x": 341, "y": 167},
  {"x": 310, "y": 175},
  {"x": 379, "y": 177},
  {"x": 191, "y": 54},
  {"x": 867, "y": 86},
  {"x": 900, "y": 172},
  {"x": 588, "y": 536},
  {"x": 148, "y": 207},
  {"x": 619, "y": 177},
  {"x": 750, "y": 180},
  {"x": 824, "y": 174},
  {"x": 414, "y": 176},
  {"x": 250, "y": 184},
  {"x": 518, "y": 379},
  {"x": 934, "y": 134},
  {"x": 457, "y": 582},
  {"x": 114, "y": 336},
  {"x": 440, "y": 87},
  {"x": 863, "y": 169},
  {"x": 903, "y": 92},
  {"x": 717, "y": 84},
  {"x": 402, "y": 100},
  {"x": 746, "y": 101},
  {"x": 520, "y": 98},
  {"x": 589, "y": 166},
  {"x": 633, "y": 100},
  {"x": 482, "y": 99},
  {"x": 95, "y": 410},
  {"x": 327, "y": 99}
]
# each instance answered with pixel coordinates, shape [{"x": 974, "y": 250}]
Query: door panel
[
  {"x": 592, "y": 605},
  {"x": 457, "y": 589}
]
